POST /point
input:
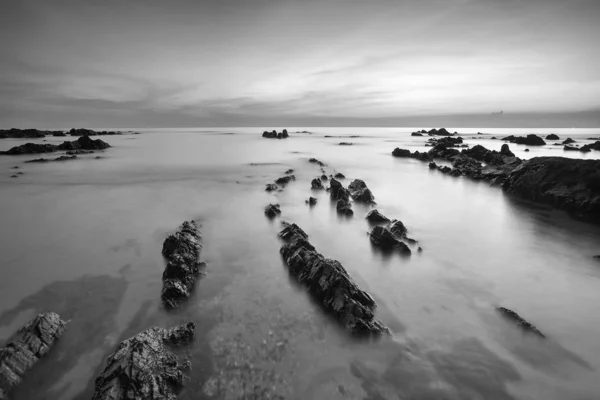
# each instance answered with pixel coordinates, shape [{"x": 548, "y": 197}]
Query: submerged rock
[
  {"x": 345, "y": 144},
  {"x": 24, "y": 350},
  {"x": 383, "y": 237},
  {"x": 45, "y": 160},
  {"x": 432, "y": 165},
  {"x": 284, "y": 180},
  {"x": 316, "y": 184},
  {"x": 565, "y": 183},
  {"x": 272, "y": 210},
  {"x": 182, "y": 253},
  {"x": 360, "y": 192},
  {"x": 324, "y": 177},
  {"x": 311, "y": 201},
  {"x": 271, "y": 187},
  {"x": 31, "y": 148},
  {"x": 522, "y": 323},
  {"x": 376, "y": 216},
  {"x": 315, "y": 161},
  {"x": 339, "y": 175},
  {"x": 330, "y": 284},
  {"x": 583, "y": 149},
  {"x": 289, "y": 171},
  {"x": 143, "y": 367},
  {"x": 568, "y": 141},
  {"x": 344, "y": 207}
]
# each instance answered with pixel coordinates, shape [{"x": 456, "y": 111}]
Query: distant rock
[
  {"x": 45, "y": 160},
  {"x": 339, "y": 176},
  {"x": 59, "y": 133},
  {"x": 448, "y": 141},
  {"x": 529, "y": 140},
  {"x": 360, "y": 192},
  {"x": 144, "y": 367},
  {"x": 552, "y": 136},
  {"x": 330, "y": 284},
  {"x": 324, "y": 178},
  {"x": 401, "y": 152},
  {"x": 181, "y": 250},
  {"x": 272, "y": 210},
  {"x": 284, "y": 180},
  {"x": 274, "y": 135},
  {"x": 15, "y": 133},
  {"x": 316, "y": 184},
  {"x": 521, "y": 323},
  {"x": 289, "y": 171},
  {"x": 31, "y": 148},
  {"x": 32, "y": 342},
  {"x": 376, "y": 216},
  {"x": 271, "y": 187},
  {"x": 345, "y": 144},
  {"x": 527, "y": 150},
  {"x": 315, "y": 161},
  {"x": 83, "y": 143},
  {"x": 432, "y": 165},
  {"x": 568, "y": 141},
  {"x": 416, "y": 134},
  {"x": 583, "y": 149},
  {"x": 440, "y": 132},
  {"x": 311, "y": 201},
  {"x": 78, "y": 152}
]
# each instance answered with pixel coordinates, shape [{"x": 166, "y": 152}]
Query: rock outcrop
[
  {"x": 376, "y": 216},
  {"x": 568, "y": 141},
  {"x": 330, "y": 284},
  {"x": 24, "y": 350},
  {"x": 565, "y": 183},
  {"x": 398, "y": 152},
  {"x": 311, "y": 201},
  {"x": 270, "y": 187},
  {"x": 552, "y": 136},
  {"x": 384, "y": 238},
  {"x": 144, "y": 366},
  {"x": 83, "y": 143},
  {"x": 360, "y": 192},
  {"x": 272, "y": 210},
  {"x": 339, "y": 175},
  {"x": 274, "y": 135},
  {"x": 315, "y": 161},
  {"x": 316, "y": 184},
  {"x": 529, "y": 140},
  {"x": 182, "y": 253},
  {"x": 45, "y": 160},
  {"x": 522, "y": 323},
  {"x": 284, "y": 180},
  {"x": 344, "y": 207}
]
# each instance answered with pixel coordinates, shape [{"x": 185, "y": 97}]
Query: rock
[
  {"x": 522, "y": 323},
  {"x": 76, "y": 152},
  {"x": 384, "y": 238},
  {"x": 144, "y": 367},
  {"x": 339, "y": 176},
  {"x": 568, "y": 141},
  {"x": 182, "y": 253},
  {"x": 398, "y": 228},
  {"x": 376, "y": 216},
  {"x": 448, "y": 141},
  {"x": 416, "y": 134},
  {"x": 505, "y": 151},
  {"x": 311, "y": 201},
  {"x": 324, "y": 177},
  {"x": 337, "y": 191},
  {"x": 552, "y": 136},
  {"x": 440, "y": 132},
  {"x": 360, "y": 192},
  {"x": 565, "y": 183},
  {"x": 26, "y": 348},
  {"x": 343, "y": 207},
  {"x": 14, "y": 176},
  {"x": 289, "y": 171},
  {"x": 272, "y": 210},
  {"x": 315, "y": 161},
  {"x": 401, "y": 152},
  {"x": 274, "y": 135},
  {"x": 31, "y": 148},
  {"x": 45, "y": 160},
  {"x": 84, "y": 143},
  {"x": 529, "y": 140},
  {"x": 583, "y": 149},
  {"x": 271, "y": 187},
  {"x": 284, "y": 134},
  {"x": 22, "y": 133},
  {"x": 527, "y": 150},
  {"x": 330, "y": 284},
  {"x": 345, "y": 144},
  {"x": 316, "y": 184},
  {"x": 284, "y": 180},
  {"x": 432, "y": 165}
]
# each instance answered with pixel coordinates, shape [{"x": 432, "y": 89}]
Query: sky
[{"x": 159, "y": 63}]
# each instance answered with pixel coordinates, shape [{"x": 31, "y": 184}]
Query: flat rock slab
[
  {"x": 143, "y": 367},
  {"x": 182, "y": 252},
  {"x": 23, "y": 351},
  {"x": 330, "y": 284}
]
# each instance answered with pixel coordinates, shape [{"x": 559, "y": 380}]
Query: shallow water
[{"x": 83, "y": 238}]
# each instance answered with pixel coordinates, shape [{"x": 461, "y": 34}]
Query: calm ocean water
[{"x": 83, "y": 238}]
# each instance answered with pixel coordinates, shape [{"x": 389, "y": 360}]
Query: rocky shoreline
[{"x": 83, "y": 143}]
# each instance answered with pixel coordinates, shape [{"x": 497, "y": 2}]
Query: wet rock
[
  {"x": 330, "y": 284},
  {"x": 552, "y": 136},
  {"x": 316, "y": 184},
  {"x": 401, "y": 152},
  {"x": 376, "y": 216},
  {"x": 416, "y": 134},
  {"x": 272, "y": 210},
  {"x": 291, "y": 231},
  {"x": 284, "y": 180},
  {"x": 78, "y": 152},
  {"x": 59, "y": 134},
  {"x": 315, "y": 161},
  {"x": 26, "y": 348},
  {"x": 569, "y": 184},
  {"x": 283, "y": 135},
  {"x": 360, "y": 192},
  {"x": 144, "y": 367},
  {"x": 529, "y": 140},
  {"x": 344, "y": 207},
  {"x": 337, "y": 191},
  {"x": 339, "y": 175},
  {"x": 311, "y": 201},
  {"x": 432, "y": 165},
  {"x": 383, "y": 237},
  {"x": 568, "y": 141},
  {"x": 182, "y": 253},
  {"x": 398, "y": 228},
  {"x": 522, "y": 323},
  {"x": 271, "y": 187},
  {"x": 14, "y": 176},
  {"x": 324, "y": 177},
  {"x": 270, "y": 135},
  {"x": 448, "y": 141}
]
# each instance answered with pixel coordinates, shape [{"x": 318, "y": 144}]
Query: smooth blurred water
[{"x": 83, "y": 238}]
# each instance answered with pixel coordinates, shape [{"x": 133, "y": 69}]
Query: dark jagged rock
[
  {"x": 59, "y": 134},
  {"x": 416, "y": 134},
  {"x": 84, "y": 143},
  {"x": 22, "y": 133},
  {"x": 440, "y": 132},
  {"x": 345, "y": 144},
  {"x": 552, "y": 136},
  {"x": 448, "y": 141},
  {"x": 77, "y": 152},
  {"x": 401, "y": 152},
  {"x": 568, "y": 141},
  {"x": 284, "y": 180},
  {"x": 324, "y": 177},
  {"x": 339, "y": 176},
  {"x": 182, "y": 253},
  {"x": 26, "y": 348},
  {"x": 45, "y": 160},
  {"x": 441, "y": 151},
  {"x": 432, "y": 165},
  {"x": 569, "y": 184},
  {"x": 591, "y": 146},
  {"x": 315, "y": 161},
  {"x": 271, "y": 187},
  {"x": 316, "y": 184},
  {"x": 583, "y": 149},
  {"x": 522, "y": 323},
  {"x": 272, "y": 210},
  {"x": 360, "y": 192},
  {"x": 505, "y": 151},
  {"x": 31, "y": 148},
  {"x": 337, "y": 191},
  {"x": 376, "y": 216},
  {"x": 529, "y": 140},
  {"x": 274, "y": 135},
  {"x": 398, "y": 228},
  {"x": 144, "y": 367},
  {"x": 82, "y": 132},
  {"x": 329, "y": 282},
  {"x": 343, "y": 207},
  {"x": 383, "y": 237},
  {"x": 311, "y": 201},
  {"x": 289, "y": 171}
]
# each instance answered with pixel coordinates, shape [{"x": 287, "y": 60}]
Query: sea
[{"x": 83, "y": 238}]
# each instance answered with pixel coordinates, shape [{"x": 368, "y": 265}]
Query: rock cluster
[
  {"x": 316, "y": 184},
  {"x": 529, "y": 140},
  {"x": 330, "y": 284},
  {"x": 32, "y": 342},
  {"x": 83, "y": 143},
  {"x": 274, "y": 135},
  {"x": 144, "y": 367},
  {"x": 26, "y": 133},
  {"x": 435, "y": 132},
  {"x": 182, "y": 253},
  {"x": 552, "y": 136}
]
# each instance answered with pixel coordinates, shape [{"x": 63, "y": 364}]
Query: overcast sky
[{"x": 138, "y": 63}]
